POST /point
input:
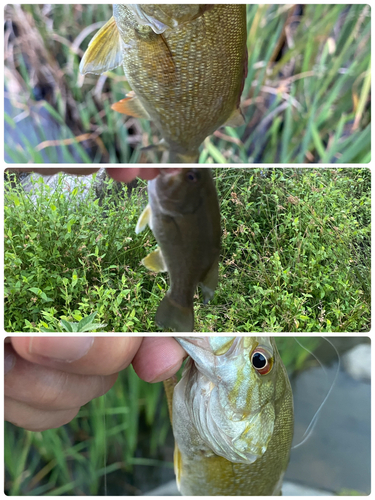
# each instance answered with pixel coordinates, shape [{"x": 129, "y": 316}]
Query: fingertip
[
  {"x": 158, "y": 358},
  {"x": 129, "y": 174}
]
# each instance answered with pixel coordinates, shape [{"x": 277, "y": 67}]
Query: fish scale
[{"x": 185, "y": 63}]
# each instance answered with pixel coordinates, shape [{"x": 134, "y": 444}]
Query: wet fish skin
[
  {"x": 185, "y": 63},
  {"x": 184, "y": 216},
  {"x": 233, "y": 427}
]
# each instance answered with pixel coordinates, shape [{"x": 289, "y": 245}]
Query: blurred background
[
  {"x": 122, "y": 443},
  {"x": 306, "y": 98}
]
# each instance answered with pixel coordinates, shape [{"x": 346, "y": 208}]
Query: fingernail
[
  {"x": 66, "y": 349},
  {"x": 9, "y": 362}
]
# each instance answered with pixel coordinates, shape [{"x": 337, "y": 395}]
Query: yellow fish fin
[
  {"x": 173, "y": 316},
  {"x": 209, "y": 282},
  {"x": 236, "y": 119},
  {"x": 169, "y": 386},
  {"x": 104, "y": 51},
  {"x": 144, "y": 219},
  {"x": 183, "y": 158},
  {"x": 177, "y": 462},
  {"x": 131, "y": 106},
  {"x": 155, "y": 262}
]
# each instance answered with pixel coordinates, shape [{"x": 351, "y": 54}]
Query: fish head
[
  {"x": 180, "y": 191},
  {"x": 232, "y": 387}
]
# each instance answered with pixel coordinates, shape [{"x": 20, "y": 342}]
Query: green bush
[{"x": 295, "y": 255}]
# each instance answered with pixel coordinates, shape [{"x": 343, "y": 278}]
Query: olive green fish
[
  {"x": 186, "y": 65},
  {"x": 183, "y": 213},
  {"x": 232, "y": 417}
]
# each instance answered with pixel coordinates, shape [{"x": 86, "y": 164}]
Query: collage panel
[
  {"x": 151, "y": 251},
  {"x": 219, "y": 83},
  {"x": 193, "y": 249},
  {"x": 251, "y": 416}
]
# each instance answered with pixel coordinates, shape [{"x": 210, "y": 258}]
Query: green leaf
[
  {"x": 67, "y": 325},
  {"x": 85, "y": 321}
]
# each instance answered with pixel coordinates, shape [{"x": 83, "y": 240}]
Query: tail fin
[{"x": 172, "y": 316}]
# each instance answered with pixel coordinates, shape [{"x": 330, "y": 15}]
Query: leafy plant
[{"x": 295, "y": 255}]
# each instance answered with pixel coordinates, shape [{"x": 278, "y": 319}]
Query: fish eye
[
  {"x": 262, "y": 361},
  {"x": 192, "y": 176}
]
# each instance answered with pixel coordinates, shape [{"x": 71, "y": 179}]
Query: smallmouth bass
[
  {"x": 186, "y": 65},
  {"x": 232, "y": 417},
  {"x": 183, "y": 214}
]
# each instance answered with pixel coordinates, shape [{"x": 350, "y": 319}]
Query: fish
[
  {"x": 232, "y": 417},
  {"x": 183, "y": 214},
  {"x": 186, "y": 65}
]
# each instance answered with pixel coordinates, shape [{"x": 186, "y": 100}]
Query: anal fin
[
  {"x": 209, "y": 282},
  {"x": 155, "y": 261}
]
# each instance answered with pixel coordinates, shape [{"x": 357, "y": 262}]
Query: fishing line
[
  {"x": 105, "y": 439},
  {"x": 314, "y": 420}
]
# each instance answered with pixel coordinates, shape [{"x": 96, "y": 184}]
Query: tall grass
[
  {"x": 306, "y": 98},
  {"x": 295, "y": 255}
]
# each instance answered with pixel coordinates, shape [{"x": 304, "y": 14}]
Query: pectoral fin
[
  {"x": 155, "y": 262},
  {"x": 177, "y": 463},
  {"x": 169, "y": 386},
  {"x": 104, "y": 51},
  {"x": 236, "y": 119},
  {"x": 131, "y": 106},
  {"x": 209, "y": 282},
  {"x": 144, "y": 219}
]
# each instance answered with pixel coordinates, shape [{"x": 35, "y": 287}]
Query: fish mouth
[{"x": 170, "y": 175}]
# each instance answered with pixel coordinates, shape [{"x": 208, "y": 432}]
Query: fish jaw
[
  {"x": 179, "y": 191},
  {"x": 217, "y": 395}
]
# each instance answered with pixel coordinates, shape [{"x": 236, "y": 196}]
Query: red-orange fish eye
[{"x": 261, "y": 360}]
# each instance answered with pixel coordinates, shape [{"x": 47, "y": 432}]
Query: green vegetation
[
  {"x": 306, "y": 98},
  {"x": 295, "y": 255},
  {"x": 112, "y": 437}
]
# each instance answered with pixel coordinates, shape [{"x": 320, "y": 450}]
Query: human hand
[{"x": 48, "y": 379}]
